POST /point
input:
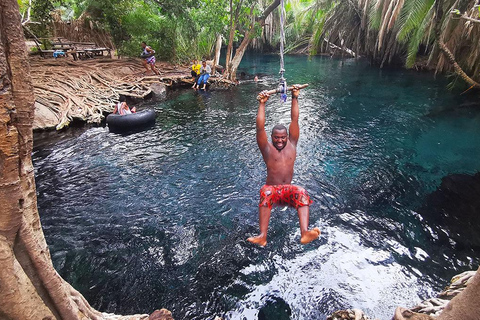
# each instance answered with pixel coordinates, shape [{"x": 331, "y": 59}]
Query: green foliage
[
  {"x": 375, "y": 16},
  {"x": 141, "y": 24},
  {"x": 412, "y": 16},
  {"x": 305, "y": 22},
  {"x": 416, "y": 39},
  {"x": 176, "y": 29},
  {"x": 23, "y": 6},
  {"x": 41, "y": 10}
]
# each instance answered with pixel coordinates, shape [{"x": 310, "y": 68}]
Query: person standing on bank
[
  {"x": 149, "y": 58},
  {"x": 279, "y": 157},
  {"x": 205, "y": 71}
]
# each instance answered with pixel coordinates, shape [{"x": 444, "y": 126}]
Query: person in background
[
  {"x": 148, "y": 56},
  {"x": 195, "y": 72},
  {"x": 205, "y": 71},
  {"x": 122, "y": 107}
]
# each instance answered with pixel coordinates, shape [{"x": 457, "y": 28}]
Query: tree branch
[
  {"x": 464, "y": 16},
  {"x": 446, "y": 52}
]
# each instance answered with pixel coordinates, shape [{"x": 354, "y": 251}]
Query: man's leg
[
  {"x": 154, "y": 69},
  {"x": 303, "y": 217},
  {"x": 263, "y": 219},
  {"x": 205, "y": 81},
  {"x": 194, "y": 78},
  {"x": 145, "y": 64}
]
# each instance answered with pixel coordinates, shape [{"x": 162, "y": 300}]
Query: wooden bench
[
  {"x": 90, "y": 53},
  {"x": 62, "y": 44},
  {"x": 46, "y": 53},
  {"x": 99, "y": 51},
  {"x": 78, "y": 50}
]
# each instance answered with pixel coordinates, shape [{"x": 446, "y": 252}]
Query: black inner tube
[{"x": 129, "y": 121}]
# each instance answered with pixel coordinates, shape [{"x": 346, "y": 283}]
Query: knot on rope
[{"x": 283, "y": 89}]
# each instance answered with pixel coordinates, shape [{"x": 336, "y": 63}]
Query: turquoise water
[{"x": 159, "y": 218}]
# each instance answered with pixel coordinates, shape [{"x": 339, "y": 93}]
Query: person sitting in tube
[{"x": 122, "y": 107}]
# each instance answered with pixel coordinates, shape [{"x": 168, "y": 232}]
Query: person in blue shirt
[{"x": 205, "y": 71}]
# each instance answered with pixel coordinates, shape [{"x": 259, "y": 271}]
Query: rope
[
  {"x": 282, "y": 37},
  {"x": 283, "y": 81}
]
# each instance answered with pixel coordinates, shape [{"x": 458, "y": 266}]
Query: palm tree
[{"x": 392, "y": 30}]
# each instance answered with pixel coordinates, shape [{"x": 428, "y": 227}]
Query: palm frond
[
  {"x": 420, "y": 35},
  {"x": 413, "y": 14}
]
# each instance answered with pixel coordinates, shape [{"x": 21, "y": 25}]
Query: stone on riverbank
[
  {"x": 44, "y": 118},
  {"x": 159, "y": 91},
  {"x": 162, "y": 314}
]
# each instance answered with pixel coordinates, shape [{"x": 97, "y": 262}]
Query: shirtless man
[{"x": 279, "y": 156}]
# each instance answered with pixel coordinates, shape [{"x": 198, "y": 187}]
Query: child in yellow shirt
[{"x": 195, "y": 72}]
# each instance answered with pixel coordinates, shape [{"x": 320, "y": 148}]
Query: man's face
[
  {"x": 204, "y": 63},
  {"x": 279, "y": 139}
]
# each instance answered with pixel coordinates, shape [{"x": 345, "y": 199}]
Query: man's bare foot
[
  {"x": 260, "y": 240},
  {"x": 310, "y": 235}
]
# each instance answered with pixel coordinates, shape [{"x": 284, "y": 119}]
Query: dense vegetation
[
  {"x": 391, "y": 31},
  {"x": 385, "y": 31}
]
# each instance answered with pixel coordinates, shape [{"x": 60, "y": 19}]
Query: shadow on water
[{"x": 159, "y": 218}]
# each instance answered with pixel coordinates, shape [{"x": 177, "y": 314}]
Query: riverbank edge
[{"x": 60, "y": 101}]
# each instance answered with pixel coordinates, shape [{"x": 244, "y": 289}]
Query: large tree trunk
[
  {"x": 218, "y": 48},
  {"x": 30, "y": 288},
  {"x": 232, "y": 67},
  {"x": 228, "y": 56}
]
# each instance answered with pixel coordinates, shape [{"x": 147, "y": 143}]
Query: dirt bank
[{"x": 86, "y": 90}]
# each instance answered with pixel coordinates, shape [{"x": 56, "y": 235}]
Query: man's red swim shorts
[{"x": 284, "y": 195}]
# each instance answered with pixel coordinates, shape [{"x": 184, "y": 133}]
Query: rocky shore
[{"x": 428, "y": 309}]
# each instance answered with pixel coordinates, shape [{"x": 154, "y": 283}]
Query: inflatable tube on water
[{"x": 132, "y": 121}]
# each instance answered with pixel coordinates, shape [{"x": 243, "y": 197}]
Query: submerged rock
[{"x": 455, "y": 207}]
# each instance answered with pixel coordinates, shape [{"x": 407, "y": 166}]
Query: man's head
[
  {"x": 144, "y": 44},
  {"x": 204, "y": 63},
  {"x": 279, "y": 136}
]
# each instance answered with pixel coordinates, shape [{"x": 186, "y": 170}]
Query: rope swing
[
  {"x": 283, "y": 81},
  {"x": 282, "y": 87}
]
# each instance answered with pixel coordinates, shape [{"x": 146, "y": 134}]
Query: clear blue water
[{"x": 159, "y": 218}]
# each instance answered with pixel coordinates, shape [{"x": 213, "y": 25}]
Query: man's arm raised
[
  {"x": 294, "y": 130},
  {"x": 262, "y": 139}
]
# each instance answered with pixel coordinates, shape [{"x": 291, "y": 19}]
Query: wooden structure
[{"x": 78, "y": 50}]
